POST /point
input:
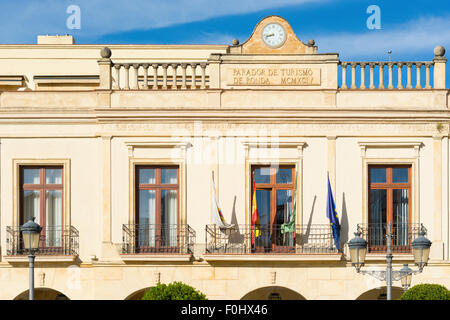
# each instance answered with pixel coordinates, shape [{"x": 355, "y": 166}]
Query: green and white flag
[{"x": 289, "y": 227}]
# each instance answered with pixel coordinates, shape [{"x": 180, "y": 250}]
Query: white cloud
[
  {"x": 416, "y": 36},
  {"x": 22, "y": 20}
]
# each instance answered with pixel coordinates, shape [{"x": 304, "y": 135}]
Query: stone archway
[
  {"x": 43, "y": 294},
  {"x": 273, "y": 293},
  {"x": 380, "y": 294},
  {"x": 137, "y": 295}
]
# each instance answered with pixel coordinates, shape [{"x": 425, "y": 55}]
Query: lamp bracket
[{"x": 381, "y": 274}]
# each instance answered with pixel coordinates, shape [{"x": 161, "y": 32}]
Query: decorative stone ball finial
[
  {"x": 311, "y": 42},
  {"x": 235, "y": 42},
  {"x": 105, "y": 53},
  {"x": 439, "y": 51}
]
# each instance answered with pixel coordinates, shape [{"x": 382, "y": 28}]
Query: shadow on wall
[
  {"x": 344, "y": 223},
  {"x": 308, "y": 226},
  {"x": 235, "y": 237}
]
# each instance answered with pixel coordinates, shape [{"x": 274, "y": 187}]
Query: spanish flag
[{"x": 256, "y": 224}]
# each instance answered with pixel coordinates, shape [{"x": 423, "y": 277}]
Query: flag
[
  {"x": 332, "y": 215},
  {"x": 217, "y": 215},
  {"x": 256, "y": 224},
  {"x": 289, "y": 227}
]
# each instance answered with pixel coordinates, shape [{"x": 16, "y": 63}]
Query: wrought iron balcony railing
[
  {"x": 305, "y": 239},
  {"x": 158, "y": 239},
  {"x": 403, "y": 234},
  {"x": 54, "y": 240}
]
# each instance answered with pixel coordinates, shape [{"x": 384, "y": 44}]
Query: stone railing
[
  {"x": 152, "y": 76},
  {"x": 159, "y": 78},
  {"x": 361, "y": 74}
]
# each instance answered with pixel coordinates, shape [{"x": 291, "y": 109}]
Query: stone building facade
[{"x": 113, "y": 149}]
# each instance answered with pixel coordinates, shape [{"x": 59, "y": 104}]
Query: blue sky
[{"x": 411, "y": 29}]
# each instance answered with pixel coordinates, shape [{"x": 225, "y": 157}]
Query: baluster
[
  {"x": 372, "y": 66},
  {"x": 155, "y": 76},
  {"x": 408, "y": 75},
  {"x": 174, "y": 76},
  {"x": 193, "y": 82},
  {"x": 363, "y": 75},
  {"x": 344, "y": 75},
  {"x": 418, "y": 84},
  {"x": 164, "y": 66},
  {"x": 381, "y": 66},
  {"x": 116, "y": 84},
  {"x": 390, "y": 66},
  {"x": 353, "y": 65},
  {"x": 427, "y": 75},
  {"x": 135, "y": 75},
  {"x": 145, "y": 66},
  {"x": 183, "y": 75},
  {"x": 399, "y": 71},
  {"x": 127, "y": 76},
  {"x": 203, "y": 84}
]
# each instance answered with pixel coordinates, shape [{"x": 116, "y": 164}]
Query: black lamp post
[
  {"x": 421, "y": 251},
  {"x": 31, "y": 233}
]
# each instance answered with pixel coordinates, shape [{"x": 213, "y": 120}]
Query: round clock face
[{"x": 273, "y": 35}]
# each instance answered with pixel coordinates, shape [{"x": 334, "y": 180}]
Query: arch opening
[
  {"x": 380, "y": 294},
  {"x": 137, "y": 295},
  {"x": 43, "y": 294},
  {"x": 273, "y": 293}
]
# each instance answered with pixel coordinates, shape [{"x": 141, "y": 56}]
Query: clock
[{"x": 273, "y": 35}]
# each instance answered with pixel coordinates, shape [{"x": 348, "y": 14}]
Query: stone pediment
[{"x": 274, "y": 35}]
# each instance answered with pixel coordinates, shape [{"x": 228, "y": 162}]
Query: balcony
[
  {"x": 157, "y": 242},
  {"x": 57, "y": 243},
  {"x": 402, "y": 236},
  {"x": 306, "y": 242}
]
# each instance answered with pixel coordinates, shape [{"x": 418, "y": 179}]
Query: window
[
  {"x": 157, "y": 206},
  {"x": 389, "y": 204},
  {"x": 274, "y": 193},
  {"x": 41, "y": 197}
]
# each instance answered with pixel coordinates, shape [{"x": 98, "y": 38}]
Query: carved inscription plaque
[{"x": 273, "y": 76}]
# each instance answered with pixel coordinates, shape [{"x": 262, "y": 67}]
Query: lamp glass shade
[
  {"x": 357, "y": 256},
  {"x": 406, "y": 281},
  {"x": 421, "y": 256},
  {"x": 31, "y": 240}
]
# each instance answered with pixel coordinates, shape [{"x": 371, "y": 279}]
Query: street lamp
[
  {"x": 358, "y": 249},
  {"x": 31, "y": 233},
  {"x": 406, "y": 280},
  {"x": 421, "y": 251}
]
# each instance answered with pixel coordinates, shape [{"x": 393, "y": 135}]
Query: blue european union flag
[{"x": 332, "y": 215}]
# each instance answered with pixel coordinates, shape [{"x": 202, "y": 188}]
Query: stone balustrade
[
  {"x": 361, "y": 74},
  {"x": 357, "y": 75},
  {"x": 390, "y": 74},
  {"x": 160, "y": 76},
  {"x": 151, "y": 76}
]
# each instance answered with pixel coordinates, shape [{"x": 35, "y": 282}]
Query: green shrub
[
  {"x": 173, "y": 291},
  {"x": 426, "y": 292}
]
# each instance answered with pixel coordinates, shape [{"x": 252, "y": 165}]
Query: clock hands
[{"x": 269, "y": 35}]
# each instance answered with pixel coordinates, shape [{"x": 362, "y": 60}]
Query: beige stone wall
[
  {"x": 312, "y": 281},
  {"x": 99, "y": 135}
]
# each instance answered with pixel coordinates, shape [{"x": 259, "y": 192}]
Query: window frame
[
  {"x": 390, "y": 186},
  {"x": 42, "y": 187},
  {"x": 273, "y": 186},
  {"x": 66, "y": 182},
  {"x": 158, "y": 187}
]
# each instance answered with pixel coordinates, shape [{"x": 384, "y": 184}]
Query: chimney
[{"x": 57, "y": 39}]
